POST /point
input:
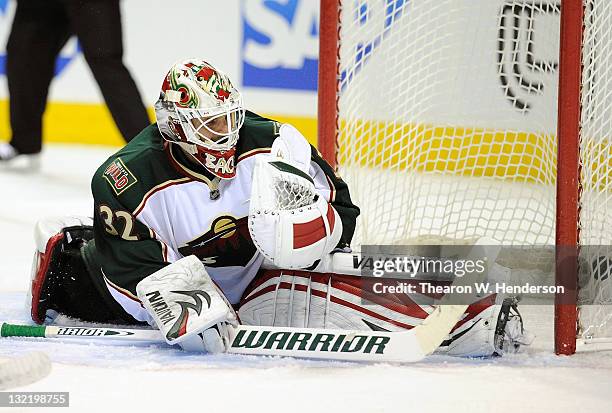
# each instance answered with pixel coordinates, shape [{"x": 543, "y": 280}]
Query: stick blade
[{"x": 434, "y": 329}]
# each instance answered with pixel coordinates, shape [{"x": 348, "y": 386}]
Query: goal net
[{"x": 445, "y": 122}]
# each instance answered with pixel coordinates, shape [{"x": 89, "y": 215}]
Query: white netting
[
  {"x": 596, "y": 172},
  {"x": 447, "y": 121},
  {"x": 433, "y": 109}
]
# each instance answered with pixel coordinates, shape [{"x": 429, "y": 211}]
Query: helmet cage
[{"x": 203, "y": 127}]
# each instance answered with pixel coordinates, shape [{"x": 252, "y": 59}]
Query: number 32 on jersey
[{"x": 119, "y": 223}]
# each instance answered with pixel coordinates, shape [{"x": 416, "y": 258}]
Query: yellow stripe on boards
[
  {"x": 471, "y": 152},
  {"x": 475, "y": 152},
  {"x": 5, "y": 129},
  {"x": 92, "y": 124},
  {"x": 89, "y": 124}
]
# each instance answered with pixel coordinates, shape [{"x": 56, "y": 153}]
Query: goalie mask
[{"x": 200, "y": 110}]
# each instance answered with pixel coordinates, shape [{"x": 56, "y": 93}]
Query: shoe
[
  {"x": 7, "y": 152},
  {"x": 26, "y": 162}
]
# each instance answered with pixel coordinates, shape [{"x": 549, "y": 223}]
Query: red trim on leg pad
[{"x": 42, "y": 269}]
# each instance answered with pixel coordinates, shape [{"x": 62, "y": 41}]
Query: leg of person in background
[
  {"x": 39, "y": 31},
  {"x": 97, "y": 24}
]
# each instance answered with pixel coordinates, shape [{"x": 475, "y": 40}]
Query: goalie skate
[{"x": 487, "y": 329}]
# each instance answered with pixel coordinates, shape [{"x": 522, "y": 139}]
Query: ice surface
[{"x": 159, "y": 378}]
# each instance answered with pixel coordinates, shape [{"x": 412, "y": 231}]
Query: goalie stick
[
  {"x": 24, "y": 370},
  {"x": 348, "y": 345}
]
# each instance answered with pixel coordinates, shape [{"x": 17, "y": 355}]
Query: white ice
[{"x": 157, "y": 378}]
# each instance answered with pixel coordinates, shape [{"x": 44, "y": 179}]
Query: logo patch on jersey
[
  {"x": 119, "y": 176},
  {"x": 226, "y": 243}
]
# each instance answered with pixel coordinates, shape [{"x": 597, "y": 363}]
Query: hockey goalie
[{"x": 215, "y": 216}]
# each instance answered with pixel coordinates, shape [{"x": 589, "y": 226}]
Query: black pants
[
  {"x": 40, "y": 29},
  {"x": 70, "y": 290}
]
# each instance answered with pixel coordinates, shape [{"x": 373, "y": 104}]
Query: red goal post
[
  {"x": 568, "y": 130},
  {"x": 329, "y": 61}
]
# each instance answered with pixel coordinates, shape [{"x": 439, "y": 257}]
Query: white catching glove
[
  {"x": 292, "y": 147},
  {"x": 187, "y": 306},
  {"x": 289, "y": 223}
]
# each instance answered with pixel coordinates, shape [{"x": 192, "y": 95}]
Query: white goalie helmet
[{"x": 200, "y": 110}]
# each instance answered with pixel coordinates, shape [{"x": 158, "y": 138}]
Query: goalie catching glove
[
  {"x": 289, "y": 222},
  {"x": 187, "y": 306}
]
